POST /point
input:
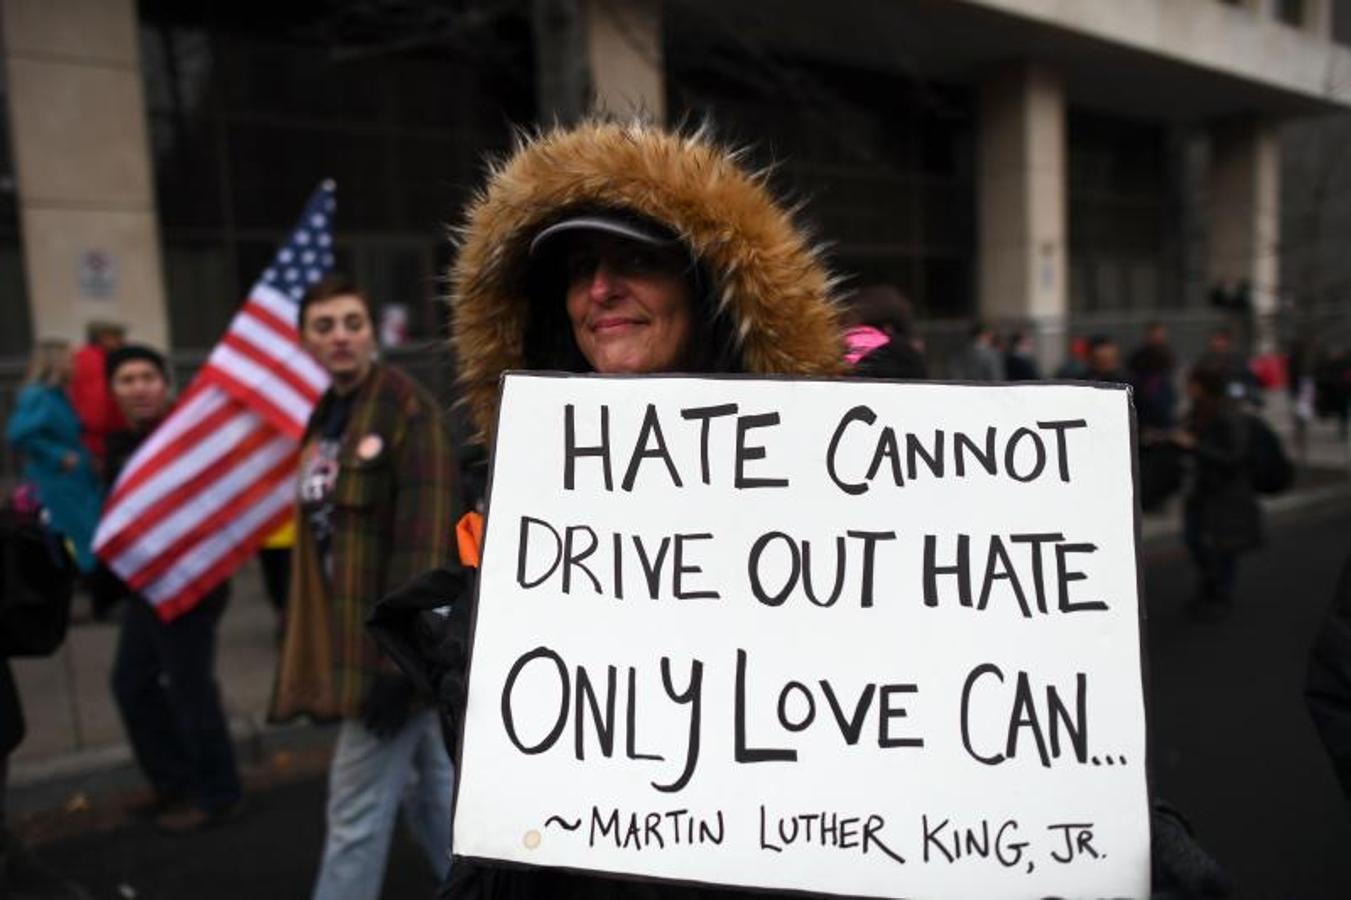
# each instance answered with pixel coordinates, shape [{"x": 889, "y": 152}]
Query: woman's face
[
  {"x": 629, "y": 304},
  {"x": 63, "y": 363}
]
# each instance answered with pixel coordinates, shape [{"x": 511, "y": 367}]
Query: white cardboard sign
[{"x": 856, "y": 638}]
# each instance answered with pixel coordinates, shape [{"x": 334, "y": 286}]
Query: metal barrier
[{"x": 431, "y": 363}]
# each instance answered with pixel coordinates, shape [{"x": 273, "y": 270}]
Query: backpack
[
  {"x": 37, "y": 580},
  {"x": 1272, "y": 471}
]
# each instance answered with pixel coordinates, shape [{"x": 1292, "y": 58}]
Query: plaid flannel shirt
[{"x": 392, "y": 520}]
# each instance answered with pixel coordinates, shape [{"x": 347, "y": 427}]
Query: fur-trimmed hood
[{"x": 766, "y": 276}]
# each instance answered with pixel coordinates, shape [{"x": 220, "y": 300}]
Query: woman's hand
[{"x": 1183, "y": 438}]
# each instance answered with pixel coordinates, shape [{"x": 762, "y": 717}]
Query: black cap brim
[{"x": 612, "y": 225}]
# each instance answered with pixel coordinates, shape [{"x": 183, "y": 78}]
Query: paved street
[
  {"x": 270, "y": 854},
  {"x": 1232, "y": 748}
]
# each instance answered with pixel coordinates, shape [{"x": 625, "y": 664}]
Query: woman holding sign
[{"x": 611, "y": 248}]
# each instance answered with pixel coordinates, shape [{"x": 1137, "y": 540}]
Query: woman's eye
[
  {"x": 637, "y": 262},
  {"x": 581, "y": 265}
]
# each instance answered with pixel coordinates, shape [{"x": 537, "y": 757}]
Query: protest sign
[{"x": 846, "y": 637}]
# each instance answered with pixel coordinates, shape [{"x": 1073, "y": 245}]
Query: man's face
[
  {"x": 337, "y": 332},
  {"x": 141, "y": 392},
  {"x": 629, "y": 304}
]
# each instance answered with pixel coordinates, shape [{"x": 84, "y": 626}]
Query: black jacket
[
  {"x": 1222, "y": 498},
  {"x": 11, "y": 713},
  {"x": 1327, "y": 689}
]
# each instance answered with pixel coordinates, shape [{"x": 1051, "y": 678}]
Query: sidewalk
[
  {"x": 75, "y": 744},
  {"x": 75, "y": 748}
]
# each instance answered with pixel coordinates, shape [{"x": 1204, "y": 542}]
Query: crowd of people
[
  {"x": 1200, "y": 431},
  {"x": 603, "y": 248}
]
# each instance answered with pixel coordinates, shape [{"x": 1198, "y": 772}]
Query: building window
[
  {"x": 1291, "y": 12},
  {"x": 883, "y": 163},
  {"x": 248, "y": 115},
  {"x": 1119, "y": 220}
]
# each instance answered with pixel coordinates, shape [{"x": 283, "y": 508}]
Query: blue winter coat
[{"x": 44, "y": 429}]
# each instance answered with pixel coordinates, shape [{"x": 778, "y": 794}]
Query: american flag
[{"x": 218, "y": 475}]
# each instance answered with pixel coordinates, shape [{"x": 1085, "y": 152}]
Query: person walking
[
  {"x": 375, "y": 508},
  {"x": 1221, "y": 515},
  {"x": 35, "y": 600},
  {"x": 1150, "y": 369},
  {"x": 879, "y": 337},
  {"x": 45, "y": 429},
  {"x": 89, "y": 394},
  {"x": 980, "y": 359},
  {"x": 163, "y": 675}
]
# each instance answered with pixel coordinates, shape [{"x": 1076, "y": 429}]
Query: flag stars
[{"x": 302, "y": 236}]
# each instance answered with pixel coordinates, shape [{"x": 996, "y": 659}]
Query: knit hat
[{"x": 128, "y": 352}]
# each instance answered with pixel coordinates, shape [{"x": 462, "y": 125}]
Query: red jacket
[{"x": 92, "y": 399}]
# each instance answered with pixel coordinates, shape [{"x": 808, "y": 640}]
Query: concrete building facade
[{"x": 1035, "y": 161}]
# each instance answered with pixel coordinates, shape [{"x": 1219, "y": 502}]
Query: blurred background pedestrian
[
  {"x": 45, "y": 429},
  {"x": 1221, "y": 518},
  {"x": 880, "y": 335},
  {"x": 89, "y": 393},
  {"x": 1020, "y": 358},
  {"x": 980, "y": 359}
]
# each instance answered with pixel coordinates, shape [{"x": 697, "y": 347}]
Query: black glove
[
  {"x": 424, "y": 628},
  {"x": 388, "y": 706},
  {"x": 1182, "y": 869}
]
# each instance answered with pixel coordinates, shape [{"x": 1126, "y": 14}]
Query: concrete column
[
  {"x": 86, "y": 196},
  {"x": 1244, "y": 213},
  {"x": 1022, "y": 190},
  {"x": 599, "y": 55},
  {"x": 1318, "y": 18},
  {"x": 627, "y": 67}
]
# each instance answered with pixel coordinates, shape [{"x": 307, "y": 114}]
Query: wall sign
[{"x": 96, "y": 272}]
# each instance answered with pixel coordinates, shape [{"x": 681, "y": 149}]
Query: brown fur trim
[{"x": 770, "y": 278}]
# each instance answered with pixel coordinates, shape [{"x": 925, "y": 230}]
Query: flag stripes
[{"x": 218, "y": 476}]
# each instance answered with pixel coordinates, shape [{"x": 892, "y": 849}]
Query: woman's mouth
[{"x": 614, "y": 325}]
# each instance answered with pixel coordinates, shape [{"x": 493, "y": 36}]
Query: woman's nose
[{"x": 603, "y": 282}]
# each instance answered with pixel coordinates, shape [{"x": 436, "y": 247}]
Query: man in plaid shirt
[{"x": 374, "y": 509}]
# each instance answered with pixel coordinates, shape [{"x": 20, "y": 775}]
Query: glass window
[
  {"x": 883, "y": 164},
  {"x": 1120, "y": 194},
  {"x": 1291, "y": 12},
  {"x": 248, "y": 113}
]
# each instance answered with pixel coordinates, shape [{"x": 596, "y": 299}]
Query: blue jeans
[{"x": 366, "y": 782}]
